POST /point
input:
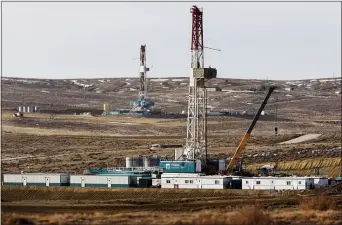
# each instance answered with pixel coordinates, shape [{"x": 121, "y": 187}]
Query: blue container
[
  {"x": 178, "y": 166},
  {"x": 103, "y": 171}
]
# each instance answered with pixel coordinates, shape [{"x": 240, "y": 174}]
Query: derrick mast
[
  {"x": 143, "y": 70},
  {"x": 195, "y": 147},
  {"x": 143, "y": 104}
]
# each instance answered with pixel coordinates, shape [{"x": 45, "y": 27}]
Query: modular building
[
  {"x": 194, "y": 181},
  {"x": 100, "y": 181},
  {"x": 37, "y": 179},
  {"x": 278, "y": 183},
  {"x": 111, "y": 180}
]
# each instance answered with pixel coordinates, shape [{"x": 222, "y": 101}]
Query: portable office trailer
[
  {"x": 37, "y": 179},
  {"x": 180, "y": 180},
  {"x": 215, "y": 182},
  {"x": 278, "y": 183},
  {"x": 101, "y": 181},
  {"x": 194, "y": 181}
]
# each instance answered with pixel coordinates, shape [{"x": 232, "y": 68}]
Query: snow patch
[
  {"x": 159, "y": 80},
  {"x": 171, "y": 100},
  {"x": 75, "y": 82}
]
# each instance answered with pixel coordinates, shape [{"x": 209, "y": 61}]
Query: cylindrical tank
[
  {"x": 105, "y": 107},
  {"x": 20, "y": 109},
  {"x": 154, "y": 161},
  {"x": 129, "y": 162},
  {"x": 24, "y": 108},
  {"x": 222, "y": 164},
  {"x": 36, "y": 109},
  {"x": 146, "y": 162},
  {"x": 137, "y": 161},
  {"x": 29, "y": 109}
]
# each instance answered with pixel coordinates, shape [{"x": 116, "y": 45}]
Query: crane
[{"x": 245, "y": 137}]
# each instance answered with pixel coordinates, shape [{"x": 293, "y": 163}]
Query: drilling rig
[
  {"x": 143, "y": 104},
  {"x": 196, "y": 139}
]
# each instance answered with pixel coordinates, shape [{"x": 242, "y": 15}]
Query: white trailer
[
  {"x": 101, "y": 181},
  {"x": 37, "y": 179},
  {"x": 277, "y": 183},
  {"x": 215, "y": 182},
  {"x": 194, "y": 181}
]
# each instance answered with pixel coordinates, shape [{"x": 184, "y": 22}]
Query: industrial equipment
[
  {"x": 142, "y": 103},
  {"x": 243, "y": 142},
  {"x": 196, "y": 139}
]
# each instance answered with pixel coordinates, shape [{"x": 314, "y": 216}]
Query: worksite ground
[{"x": 67, "y": 143}]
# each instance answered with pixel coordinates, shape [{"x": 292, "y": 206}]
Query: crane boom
[{"x": 245, "y": 137}]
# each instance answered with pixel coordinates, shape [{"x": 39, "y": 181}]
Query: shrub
[
  {"x": 318, "y": 203},
  {"x": 251, "y": 215},
  {"x": 15, "y": 220},
  {"x": 247, "y": 215}
]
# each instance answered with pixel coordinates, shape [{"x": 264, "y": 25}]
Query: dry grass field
[
  {"x": 68, "y": 205},
  {"x": 63, "y": 142}
]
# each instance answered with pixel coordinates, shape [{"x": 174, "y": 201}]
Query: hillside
[{"x": 319, "y": 98}]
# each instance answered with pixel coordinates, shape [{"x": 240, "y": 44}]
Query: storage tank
[
  {"x": 105, "y": 107},
  {"x": 137, "y": 161},
  {"x": 146, "y": 162},
  {"x": 20, "y": 109},
  {"x": 29, "y": 109},
  {"x": 222, "y": 164},
  {"x": 129, "y": 162},
  {"x": 36, "y": 109},
  {"x": 154, "y": 161}
]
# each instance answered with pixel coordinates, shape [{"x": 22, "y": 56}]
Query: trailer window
[
  {"x": 217, "y": 182},
  {"x": 191, "y": 181},
  {"x": 168, "y": 181},
  {"x": 246, "y": 181},
  {"x": 299, "y": 182},
  {"x": 288, "y": 182},
  {"x": 186, "y": 181},
  {"x": 258, "y": 182}
]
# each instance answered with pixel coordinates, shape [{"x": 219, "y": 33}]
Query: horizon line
[{"x": 32, "y": 78}]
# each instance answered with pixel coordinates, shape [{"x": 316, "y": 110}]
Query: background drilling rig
[
  {"x": 196, "y": 139},
  {"x": 143, "y": 103}
]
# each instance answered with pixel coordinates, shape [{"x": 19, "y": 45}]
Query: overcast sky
[{"x": 98, "y": 40}]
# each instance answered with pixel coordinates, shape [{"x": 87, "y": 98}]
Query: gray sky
[{"x": 95, "y": 40}]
